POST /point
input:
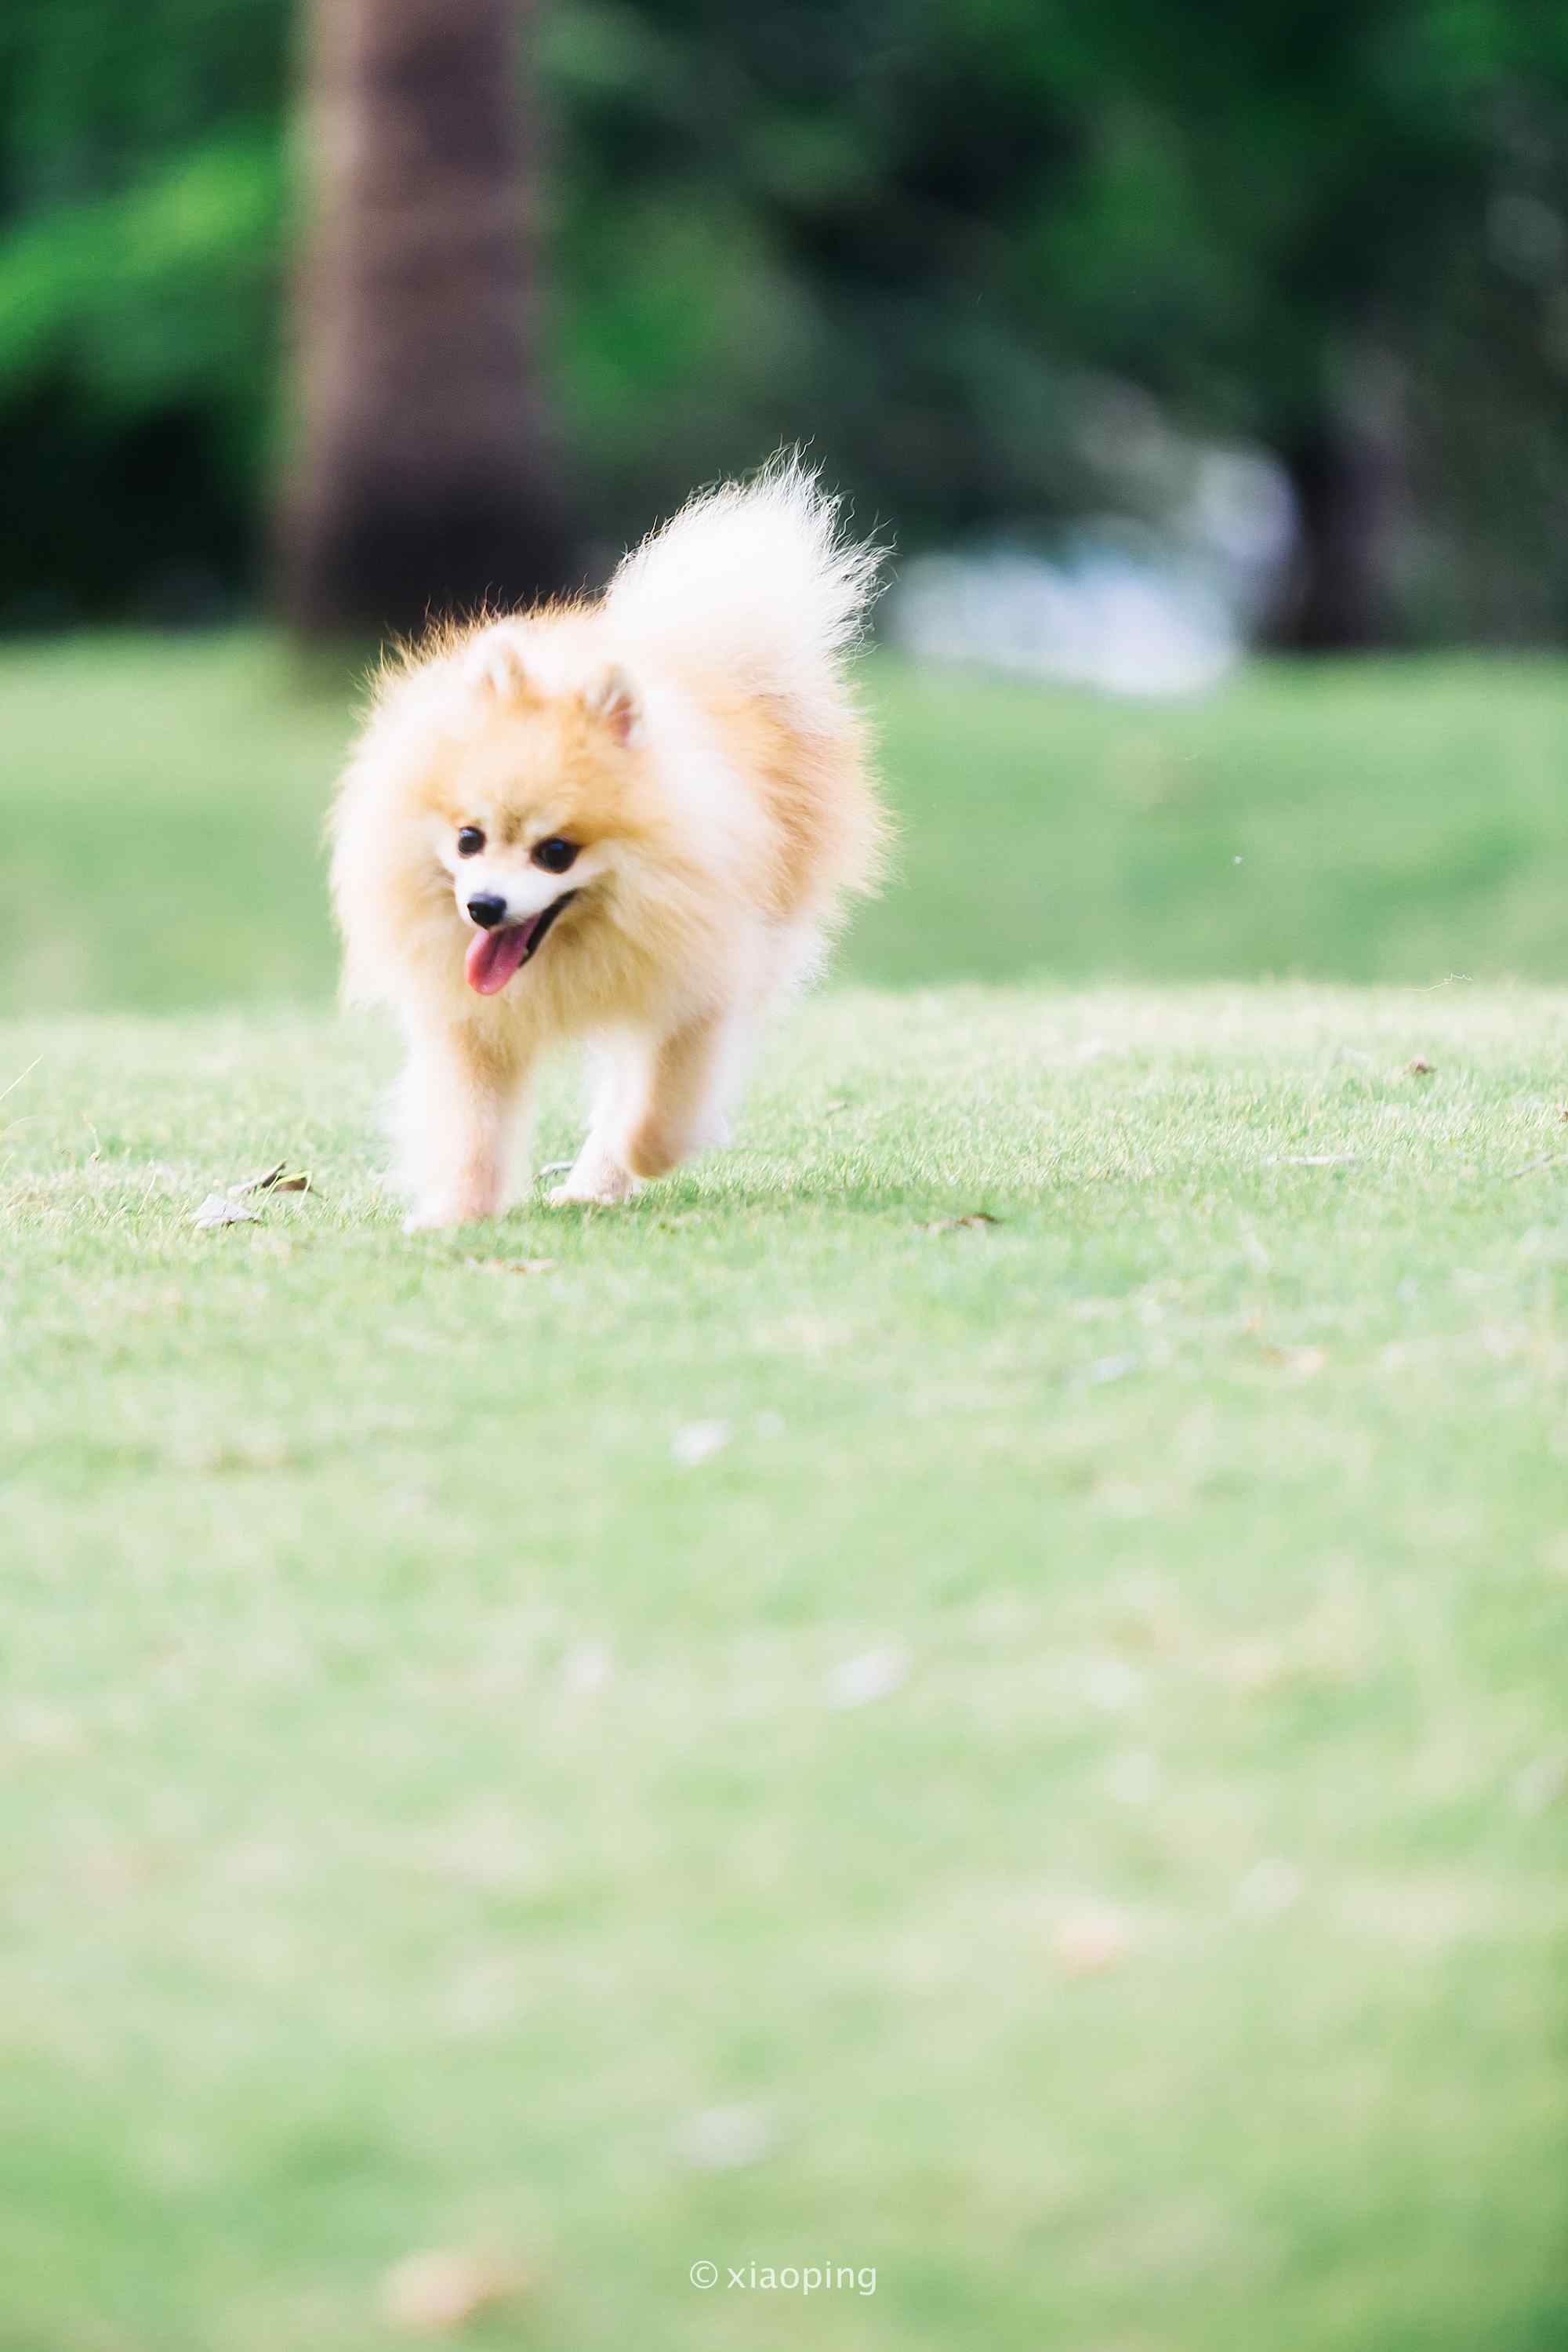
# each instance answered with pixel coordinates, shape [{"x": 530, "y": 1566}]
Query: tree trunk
[
  {"x": 1349, "y": 477},
  {"x": 422, "y": 480}
]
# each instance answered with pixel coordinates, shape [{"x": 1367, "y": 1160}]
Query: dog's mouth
[{"x": 494, "y": 956}]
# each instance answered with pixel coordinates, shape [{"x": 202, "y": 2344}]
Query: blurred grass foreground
[
  {"x": 161, "y": 803},
  {"x": 790, "y": 1723}
]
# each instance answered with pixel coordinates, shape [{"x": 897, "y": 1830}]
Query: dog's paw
[
  {"x": 441, "y": 1216},
  {"x": 608, "y": 1194}
]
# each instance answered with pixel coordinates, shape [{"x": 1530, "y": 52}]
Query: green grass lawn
[
  {"x": 1028, "y": 1756},
  {"x": 160, "y": 806}
]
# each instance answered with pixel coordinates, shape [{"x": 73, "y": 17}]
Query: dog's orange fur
[{"x": 692, "y": 738}]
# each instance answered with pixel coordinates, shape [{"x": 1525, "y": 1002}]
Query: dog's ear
[
  {"x": 494, "y": 664},
  {"x": 613, "y": 699}
]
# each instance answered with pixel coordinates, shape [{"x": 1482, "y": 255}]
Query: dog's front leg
[
  {"x": 667, "y": 1101},
  {"x": 681, "y": 1105},
  {"x": 461, "y": 1112},
  {"x": 599, "y": 1175}
]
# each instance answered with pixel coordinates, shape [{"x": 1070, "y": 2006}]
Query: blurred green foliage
[
  {"x": 142, "y": 193},
  {"x": 939, "y": 238}
]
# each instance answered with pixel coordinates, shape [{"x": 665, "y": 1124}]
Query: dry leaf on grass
[
  {"x": 588, "y": 1666},
  {"x": 513, "y": 1264},
  {"x": 699, "y": 1441},
  {"x": 1252, "y": 1664},
  {"x": 438, "y": 2291},
  {"x": 217, "y": 1209},
  {"x": 224, "y": 1208},
  {"x": 1133, "y": 1779},
  {"x": 1270, "y": 1888},
  {"x": 876, "y": 1673},
  {"x": 1111, "y": 1683},
  {"x": 275, "y": 1179},
  {"x": 1311, "y": 1159},
  {"x": 1540, "y": 1784},
  {"x": 1089, "y": 1941},
  {"x": 726, "y": 2140},
  {"x": 1304, "y": 1362}
]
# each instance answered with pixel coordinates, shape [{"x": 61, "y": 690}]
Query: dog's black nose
[{"x": 486, "y": 911}]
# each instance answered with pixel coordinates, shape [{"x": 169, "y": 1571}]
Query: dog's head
[
  {"x": 535, "y": 810},
  {"x": 500, "y": 800}
]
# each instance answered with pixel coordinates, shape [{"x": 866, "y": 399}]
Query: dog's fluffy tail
[{"x": 757, "y": 581}]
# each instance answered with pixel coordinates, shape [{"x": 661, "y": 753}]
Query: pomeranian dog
[{"x": 630, "y": 821}]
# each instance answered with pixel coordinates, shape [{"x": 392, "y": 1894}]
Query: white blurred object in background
[{"x": 1128, "y": 607}]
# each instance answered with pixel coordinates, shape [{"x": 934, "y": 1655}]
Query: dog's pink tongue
[{"x": 494, "y": 956}]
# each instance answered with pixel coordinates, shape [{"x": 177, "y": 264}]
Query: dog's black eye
[
  {"x": 471, "y": 841},
  {"x": 554, "y": 854}
]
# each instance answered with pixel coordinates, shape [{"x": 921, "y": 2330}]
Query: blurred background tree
[
  {"x": 990, "y": 256},
  {"x": 422, "y": 477}
]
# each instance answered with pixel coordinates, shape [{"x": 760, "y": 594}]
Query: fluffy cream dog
[{"x": 630, "y": 821}]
